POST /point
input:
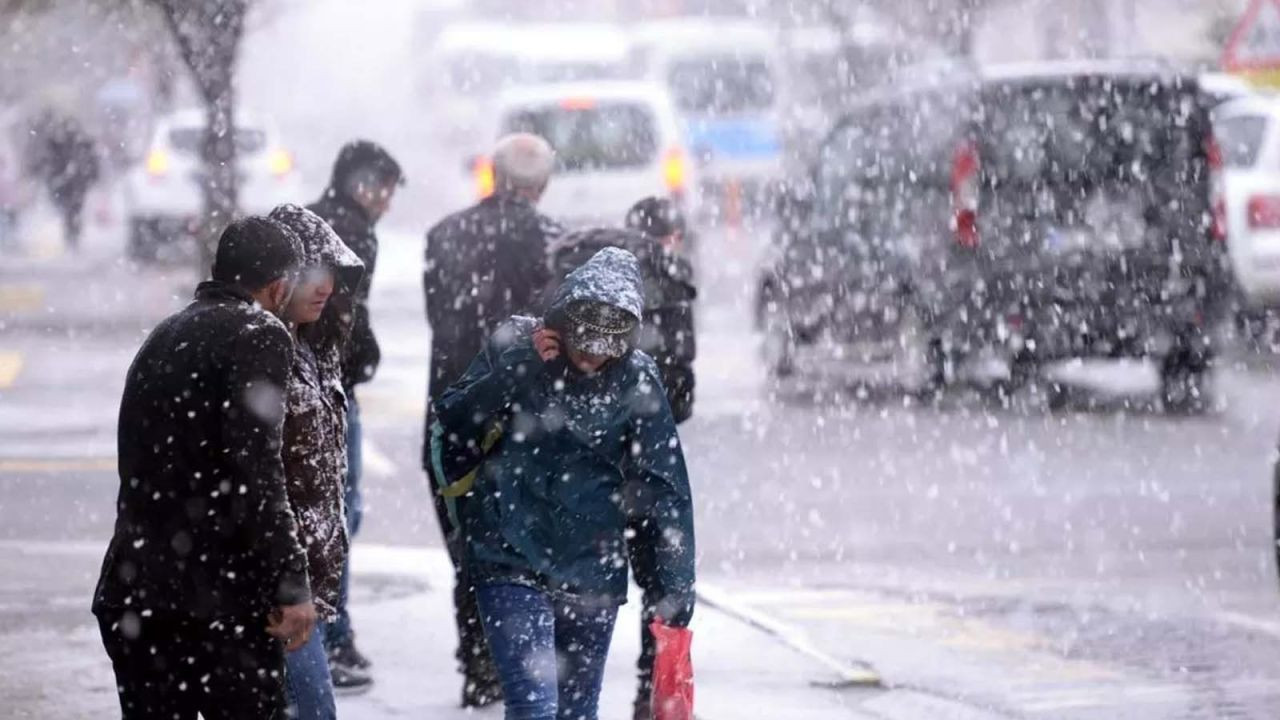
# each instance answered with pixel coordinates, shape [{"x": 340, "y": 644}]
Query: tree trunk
[{"x": 208, "y": 37}]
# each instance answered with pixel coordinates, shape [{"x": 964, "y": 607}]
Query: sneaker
[
  {"x": 480, "y": 694},
  {"x": 347, "y": 655},
  {"x": 349, "y": 680}
]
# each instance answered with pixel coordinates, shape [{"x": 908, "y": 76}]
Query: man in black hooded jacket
[
  {"x": 205, "y": 576},
  {"x": 364, "y": 179}
]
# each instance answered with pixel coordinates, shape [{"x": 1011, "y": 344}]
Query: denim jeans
[
  {"x": 307, "y": 681},
  {"x": 550, "y": 653},
  {"x": 339, "y": 632}
]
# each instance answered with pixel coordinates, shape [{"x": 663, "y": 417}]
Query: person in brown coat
[{"x": 315, "y": 449}]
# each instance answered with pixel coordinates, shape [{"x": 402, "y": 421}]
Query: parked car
[
  {"x": 1034, "y": 213},
  {"x": 615, "y": 142},
  {"x": 162, "y": 195},
  {"x": 1248, "y": 131}
]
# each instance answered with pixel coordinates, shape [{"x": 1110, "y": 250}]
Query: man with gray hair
[{"x": 483, "y": 265}]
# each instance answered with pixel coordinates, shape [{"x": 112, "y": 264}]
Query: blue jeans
[
  {"x": 307, "y": 680},
  {"x": 340, "y": 633},
  {"x": 549, "y": 653}
]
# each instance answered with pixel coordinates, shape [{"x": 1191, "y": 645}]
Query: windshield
[
  {"x": 248, "y": 140},
  {"x": 721, "y": 85},
  {"x": 595, "y": 137},
  {"x": 1241, "y": 139}
]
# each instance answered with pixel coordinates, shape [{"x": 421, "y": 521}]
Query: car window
[
  {"x": 592, "y": 136},
  {"x": 1241, "y": 138},
  {"x": 187, "y": 140},
  {"x": 721, "y": 85}
]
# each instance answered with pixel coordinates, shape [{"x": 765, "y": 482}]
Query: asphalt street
[{"x": 1075, "y": 564}]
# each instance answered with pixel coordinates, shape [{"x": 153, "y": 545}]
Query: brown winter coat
[{"x": 315, "y": 425}]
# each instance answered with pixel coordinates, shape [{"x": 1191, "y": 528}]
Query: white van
[
  {"x": 615, "y": 143},
  {"x": 1248, "y": 133},
  {"x": 724, "y": 77}
]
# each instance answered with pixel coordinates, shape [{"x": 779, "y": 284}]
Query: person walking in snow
[
  {"x": 483, "y": 265},
  {"x": 579, "y": 438},
  {"x": 204, "y": 585},
  {"x": 362, "y": 184},
  {"x": 319, "y": 317}
]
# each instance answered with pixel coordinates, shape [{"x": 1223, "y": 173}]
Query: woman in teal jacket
[{"x": 586, "y": 441}]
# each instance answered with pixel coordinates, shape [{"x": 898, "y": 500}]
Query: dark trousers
[
  {"x": 641, "y": 553},
  {"x": 172, "y": 668},
  {"x": 70, "y": 202},
  {"x": 474, "y": 660}
]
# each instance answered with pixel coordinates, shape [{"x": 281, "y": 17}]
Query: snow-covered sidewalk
[{"x": 404, "y": 616}]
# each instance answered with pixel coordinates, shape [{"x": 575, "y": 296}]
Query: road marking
[
  {"x": 38, "y": 465},
  {"x": 15, "y": 298},
  {"x": 10, "y": 366}
]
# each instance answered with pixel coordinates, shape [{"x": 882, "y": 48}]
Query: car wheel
[
  {"x": 922, "y": 360},
  {"x": 1275, "y": 511},
  {"x": 1183, "y": 384},
  {"x": 779, "y": 341},
  {"x": 143, "y": 243}
]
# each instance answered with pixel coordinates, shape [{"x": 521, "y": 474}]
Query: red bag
[{"x": 672, "y": 672}]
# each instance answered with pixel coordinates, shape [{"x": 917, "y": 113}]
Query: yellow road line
[
  {"x": 54, "y": 465},
  {"x": 15, "y": 298},
  {"x": 10, "y": 366}
]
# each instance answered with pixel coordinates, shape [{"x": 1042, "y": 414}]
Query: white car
[
  {"x": 615, "y": 143},
  {"x": 1248, "y": 132},
  {"x": 162, "y": 195}
]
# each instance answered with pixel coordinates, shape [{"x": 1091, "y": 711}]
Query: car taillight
[
  {"x": 965, "y": 178},
  {"x": 1218, "y": 189},
  {"x": 280, "y": 162},
  {"x": 674, "y": 171},
  {"x": 482, "y": 173},
  {"x": 157, "y": 163},
  {"x": 1264, "y": 212}
]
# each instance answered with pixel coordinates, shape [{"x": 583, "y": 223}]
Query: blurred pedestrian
[
  {"x": 65, "y": 158},
  {"x": 654, "y": 234},
  {"x": 483, "y": 265},
  {"x": 585, "y": 440},
  {"x": 204, "y": 585},
  {"x": 364, "y": 180},
  {"x": 319, "y": 317}
]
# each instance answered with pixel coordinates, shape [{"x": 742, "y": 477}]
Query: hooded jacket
[
  {"x": 352, "y": 223},
  {"x": 667, "y": 328},
  {"x": 578, "y": 456},
  {"x": 315, "y": 424}
]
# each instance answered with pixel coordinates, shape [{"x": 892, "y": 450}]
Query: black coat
[
  {"x": 483, "y": 265},
  {"x": 352, "y": 223},
  {"x": 203, "y": 526}
]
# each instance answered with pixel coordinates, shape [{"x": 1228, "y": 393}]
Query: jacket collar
[
  {"x": 346, "y": 203},
  {"x": 505, "y": 198},
  {"x": 218, "y": 290}
]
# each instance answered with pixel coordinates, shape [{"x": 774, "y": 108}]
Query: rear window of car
[
  {"x": 1241, "y": 139},
  {"x": 187, "y": 140},
  {"x": 1088, "y": 129},
  {"x": 721, "y": 85},
  {"x": 588, "y": 136}
]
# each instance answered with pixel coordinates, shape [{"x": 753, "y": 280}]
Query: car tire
[
  {"x": 923, "y": 359},
  {"x": 778, "y": 342},
  {"x": 1184, "y": 387},
  {"x": 143, "y": 242}
]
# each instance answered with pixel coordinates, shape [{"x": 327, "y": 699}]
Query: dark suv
[{"x": 1032, "y": 214}]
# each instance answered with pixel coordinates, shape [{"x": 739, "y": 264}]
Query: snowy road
[{"x": 1040, "y": 565}]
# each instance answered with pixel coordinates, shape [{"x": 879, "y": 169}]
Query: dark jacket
[
  {"x": 667, "y": 329},
  {"x": 203, "y": 525},
  {"x": 483, "y": 265},
  {"x": 579, "y": 455},
  {"x": 352, "y": 223},
  {"x": 315, "y": 425}
]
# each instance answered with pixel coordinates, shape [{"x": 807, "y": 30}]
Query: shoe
[
  {"x": 347, "y": 654},
  {"x": 478, "y": 694},
  {"x": 349, "y": 680}
]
